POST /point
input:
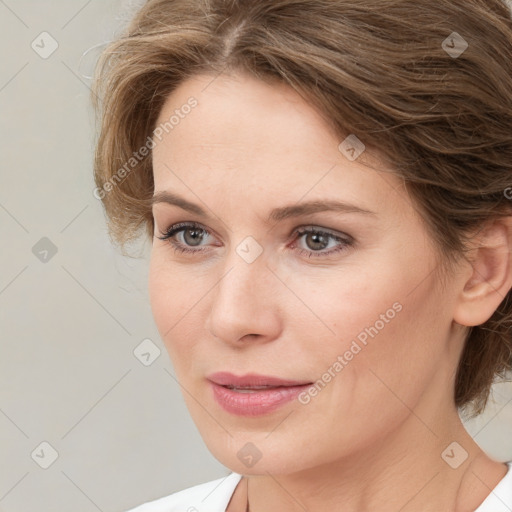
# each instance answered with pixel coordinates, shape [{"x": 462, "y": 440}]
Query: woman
[{"x": 326, "y": 184}]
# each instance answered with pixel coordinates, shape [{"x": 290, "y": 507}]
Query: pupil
[
  {"x": 317, "y": 239},
  {"x": 195, "y": 236}
]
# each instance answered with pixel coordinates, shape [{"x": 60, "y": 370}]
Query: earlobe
[{"x": 490, "y": 277}]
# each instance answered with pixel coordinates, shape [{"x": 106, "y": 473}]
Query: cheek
[
  {"x": 346, "y": 304},
  {"x": 159, "y": 297},
  {"x": 376, "y": 367},
  {"x": 383, "y": 325},
  {"x": 171, "y": 298}
]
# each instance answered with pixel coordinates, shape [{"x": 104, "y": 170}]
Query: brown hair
[{"x": 388, "y": 71}]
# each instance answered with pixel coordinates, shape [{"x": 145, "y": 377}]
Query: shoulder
[
  {"x": 500, "y": 498},
  {"x": 210, "y": 496}
]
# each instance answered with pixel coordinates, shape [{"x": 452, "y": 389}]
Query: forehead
[
  {"x": 260, "y": 138},
  {"x": 241, "y": 113}
]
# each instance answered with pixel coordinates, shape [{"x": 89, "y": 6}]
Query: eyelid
[
  {"x": 179, "y": 227},
  {"x": 328, "y": 231},
  {"x": 298, "y": 229}
]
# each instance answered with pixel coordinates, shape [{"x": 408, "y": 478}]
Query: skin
[{"x": 372, "y": 439}]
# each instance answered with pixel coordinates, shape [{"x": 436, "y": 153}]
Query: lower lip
[{"x": 257, "y": 402}]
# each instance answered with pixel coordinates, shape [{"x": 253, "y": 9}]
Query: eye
[
  {"x": 318, "y": 240},
  {"x": 192, "y": 234}
]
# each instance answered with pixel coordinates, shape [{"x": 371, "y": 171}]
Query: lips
[
  {"x": 253, "y": 394},
  {"x": 252, "y": 381}
]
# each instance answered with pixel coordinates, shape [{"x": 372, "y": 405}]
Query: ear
[{"x": 489, "y": 276}]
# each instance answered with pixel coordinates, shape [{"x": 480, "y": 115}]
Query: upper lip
[{"x": 251, "y": 379}]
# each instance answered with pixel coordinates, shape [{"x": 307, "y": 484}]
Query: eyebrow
[{"x": 277, "y": 214}]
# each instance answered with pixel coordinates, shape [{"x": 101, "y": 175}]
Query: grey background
[{"x": 70, "y": 320}]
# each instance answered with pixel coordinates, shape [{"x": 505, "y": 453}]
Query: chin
[{"x": 255, "y": 453}]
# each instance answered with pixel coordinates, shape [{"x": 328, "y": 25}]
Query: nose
[{"x": 245, "y": 303}]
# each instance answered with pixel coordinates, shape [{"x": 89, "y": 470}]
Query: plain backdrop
[{"x": 85, "y": 424}]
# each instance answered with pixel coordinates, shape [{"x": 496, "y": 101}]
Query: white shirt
[{"x": 214, "y": 496}]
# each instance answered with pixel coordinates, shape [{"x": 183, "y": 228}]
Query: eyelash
[{"x": 180, "y": 227}]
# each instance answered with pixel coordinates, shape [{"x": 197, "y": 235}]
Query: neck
[{"x": 402, "y": 471}]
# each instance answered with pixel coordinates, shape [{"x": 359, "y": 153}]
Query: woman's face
[{"x": 354, "y": 307}]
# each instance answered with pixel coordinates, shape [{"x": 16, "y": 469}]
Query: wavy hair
[{"x": 426, "y": 84}]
